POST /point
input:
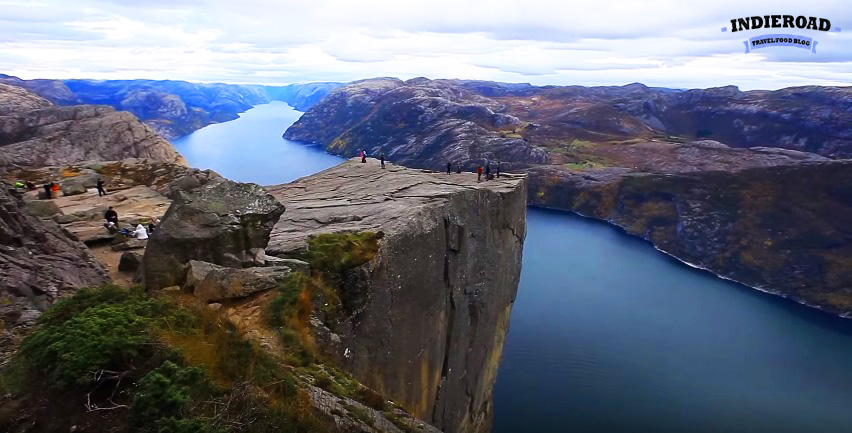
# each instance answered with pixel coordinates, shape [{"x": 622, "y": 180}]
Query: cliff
[
  {"x": 423, "y": 322},
  {"x": 35, "y": 133},
  {"x": 751, "y": 208}
]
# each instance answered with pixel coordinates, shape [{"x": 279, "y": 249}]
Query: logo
[{"x": 780, "y": 39}]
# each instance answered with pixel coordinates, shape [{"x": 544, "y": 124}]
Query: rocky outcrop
[
  {"x": 39, "y": 262},
  {"x": 209, "y": 282},
  {"x": 49, "y": 135},
  {"x": 219, "y": 221},
  {"x": 425, "y": 319}
]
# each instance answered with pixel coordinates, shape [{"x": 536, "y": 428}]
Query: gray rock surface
[
  {"x": 434, "y": 304},
  {"x": 209, "y": 282},
  {"x": 34, "y": 134},
  {"x": 219, "y": 222},
  {"x": 43, "y": 208},
  {"x": 39, "y": 263}
]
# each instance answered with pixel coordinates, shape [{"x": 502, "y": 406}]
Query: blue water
[
  {"x": 250, "y": 149},
  {"x": 609, "y": 335}
]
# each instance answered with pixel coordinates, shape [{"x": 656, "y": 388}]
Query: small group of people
[
  {"x": 363, "y": 154},
  {"x": 479, "y": 171},
  {"x": 139, "y": 231}
]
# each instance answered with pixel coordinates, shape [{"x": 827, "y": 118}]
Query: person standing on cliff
[
  {"x": 449, "y": 167},
  {"x": 488, "y": 171},
  {"x": 100, "y": 186},
  {"x": 363, "y": 156},
  {"x": 479, "y": 174},
  {"x": 498, "y": 168},
  {"x": 47, "y": 191}
]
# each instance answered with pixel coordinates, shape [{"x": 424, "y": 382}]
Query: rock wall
[
  {"x": 34, "y": 133},
  {"x": 427, "y": 317},
  {"x": 39, "y": 262}
]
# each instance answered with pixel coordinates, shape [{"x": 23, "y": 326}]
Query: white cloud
[{"x": 658, "y": 42}]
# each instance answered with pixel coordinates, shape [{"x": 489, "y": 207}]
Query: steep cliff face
[
  {"x": 783, "y": 228},
  {"x": 39, "y": 262},
  {"x": 425, "y": 320},
  {"x": 34, "y": 133}
]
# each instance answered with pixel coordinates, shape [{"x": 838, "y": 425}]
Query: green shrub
[
  {"x": 164, "y": 391},
  {"x": 108, "y": 336}
]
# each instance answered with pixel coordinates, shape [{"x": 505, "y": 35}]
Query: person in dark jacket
[
  {"x": 100, "y": 186},
  {"x": 111, "y": 216},
  {"x": 47, "y": 191},
  {"x": 498, "y": 168},
  {"x": 449, "y": 168},
  {"x": 487, "y": 171},
  {"x": 382, "y": 159}
]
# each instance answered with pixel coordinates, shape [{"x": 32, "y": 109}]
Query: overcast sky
[{"x": 658, "y": 42}]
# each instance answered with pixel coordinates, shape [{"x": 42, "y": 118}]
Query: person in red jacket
[{"x": 479, "y": 174}]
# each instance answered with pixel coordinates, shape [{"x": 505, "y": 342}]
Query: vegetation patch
[{"x": 167, "y": 367}]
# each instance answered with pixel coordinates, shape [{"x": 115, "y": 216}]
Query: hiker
[
  {"x": 498, "y": 168},
  {"x": 449, "y": 168},
  {"x": 382, "y": 158},
  {"x": 30, "y": 186},
  {"x": 153, "y": 225},
  {"x": 458, "y": 168},
  {"x": 20, "y": 185},
  {"x": 141, "y": 233},
  {"x": 111, "y": 216},
  {"x": 100, "y": 186},
  {"x": 479, "y": 174},
  {"x": 488, "y": 172},
  {"x": 363, "y": 156},
  {"x": 47, "y": 191}
]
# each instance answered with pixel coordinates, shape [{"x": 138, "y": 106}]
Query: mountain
[
  {"x": 300, "y": 96},
  {"x": 745, "y": 205},
  {"x": 173, "y": 108},
  {"x": 35, "y": 133}
]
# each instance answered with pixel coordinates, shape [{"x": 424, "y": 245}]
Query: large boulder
[
  {"x": 219, "y": 222},
  {"x": 129, "y": 261},
  {"x": 209, "y": 282},
  {"x": 73, "y": 187}
]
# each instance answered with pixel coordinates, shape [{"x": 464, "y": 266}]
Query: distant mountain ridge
[{"x": 173, "y": 108}]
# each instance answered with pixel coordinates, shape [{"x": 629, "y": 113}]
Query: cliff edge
[{"x": 424, "y": 321}]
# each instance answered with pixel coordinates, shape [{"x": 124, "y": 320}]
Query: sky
[{"x": 669, "y": 43}]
